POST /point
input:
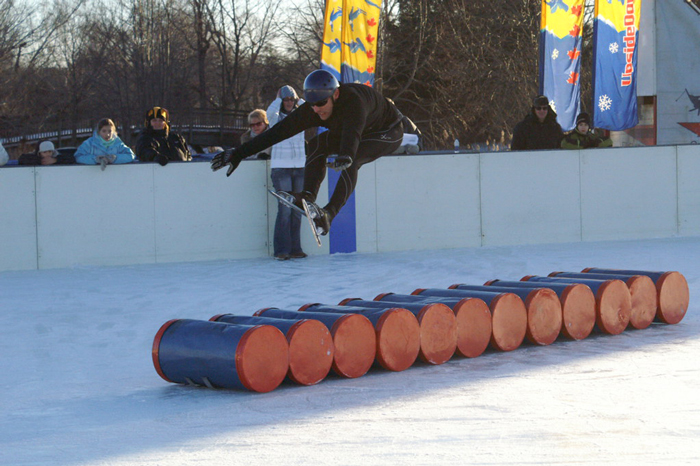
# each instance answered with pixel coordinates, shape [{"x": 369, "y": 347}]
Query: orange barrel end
[
  {"x": 673, "y": 295},
  {"x": 438, "y": 328},
  {"x": 642, "y": 291},
  {"x": 310, "y": 345},
  {"x": 397, "y": 331},
  {"x": 219, "y": 355},
  {"x": 353, "y": 335},
  {"x": 472, "y": 315},
  {"x": 509, "y": 316},
  {"x": 544, "y": 315},
  {"x": 613, "y": 301},
  {"x": 577, "y": 304}
]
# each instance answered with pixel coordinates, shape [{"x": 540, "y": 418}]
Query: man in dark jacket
[
  {"x": 362, "y": 126},
  {"x": 539, "y": 129},
  {"x": 157, "y": 143}
]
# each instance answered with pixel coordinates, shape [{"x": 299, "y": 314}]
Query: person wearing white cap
[{"x": 46, "y": 154}]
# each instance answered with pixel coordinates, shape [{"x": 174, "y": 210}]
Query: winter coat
[
  {"x": 152, "y": 143},
  {"x": 4, "y": 158},
  {"x": 290, "y": 153},
  {"x": 95, "y": 146},
  {"x": 358, "y": 112},
  {"x": 576, "y": 140},
  {"x": 530, "y": 134},
  {"x": 35, "y": 159}
]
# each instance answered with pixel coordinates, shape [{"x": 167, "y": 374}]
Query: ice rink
[{"x": 79, "y": 386}]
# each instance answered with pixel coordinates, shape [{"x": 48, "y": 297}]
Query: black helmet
[{"x": 319, "y": 85}]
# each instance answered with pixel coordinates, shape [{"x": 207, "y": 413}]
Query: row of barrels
[{"x": 393, "y": 330}]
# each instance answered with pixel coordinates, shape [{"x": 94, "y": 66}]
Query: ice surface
[{"x": 78, "y": 386}]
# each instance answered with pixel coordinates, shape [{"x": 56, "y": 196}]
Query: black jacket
[
  {"x": 152, "y": 143},
  {"x": 360, "y": 110},
  {"x": 530, "y": 134}
]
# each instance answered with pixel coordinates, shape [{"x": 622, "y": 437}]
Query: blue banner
[
  {"x": 560, "y": 58},
  {"x": 615, "y": 41}
]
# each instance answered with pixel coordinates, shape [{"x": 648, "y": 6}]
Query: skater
[{"x": 362, "y": 126}]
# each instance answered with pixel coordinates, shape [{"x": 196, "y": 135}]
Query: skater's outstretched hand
[
  {"x": 229, "y": 157},
  {"x": 338, "y": 162}
]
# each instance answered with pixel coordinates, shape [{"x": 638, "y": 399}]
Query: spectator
[
  {"x": 582, "y": 137},
  {"x": 4, "y": 158},
  {"x": 157, "y": 143},
  {"x": 539, "y": 129},
  {"x": 257, "y": 122},
  {"x": 287, "y": 173},
  {"x": 104, "y": 147},
  {"x": 46, "y": 154}
]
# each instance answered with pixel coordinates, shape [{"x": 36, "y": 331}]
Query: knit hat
[
  {"x": 288, "y": 92},
  {"x": 157, "y": 112},
  {"x": 46, "y": 146},
  {"x": 540, "y": 101},
  {"x": 583, "y": 118}
]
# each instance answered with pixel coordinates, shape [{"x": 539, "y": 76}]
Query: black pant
[{"x": 372, "y": 146}]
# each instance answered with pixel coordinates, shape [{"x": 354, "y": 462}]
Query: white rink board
[
  {"x": 530, "y": 197},
  {"x": 628, "y": 193},
  {"x": 427, "y": 202},
  {"x": 93, "y": 217},
  {"x": 201, "y": 215},
  {"x": 18, "y": 219},
  {"x": 689, "y": 190}
]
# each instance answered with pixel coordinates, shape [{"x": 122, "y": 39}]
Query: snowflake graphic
[
  {"x": 604, "y": 103},
  {"x": 614, "y": 47},
  {"x": 553, "y": 105},
  {"x": 555, "y": 54}
]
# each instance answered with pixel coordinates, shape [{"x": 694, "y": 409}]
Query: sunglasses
[
  {"x": 289, "y": 99},
  {"x": 259, "y": 123},
  {"x": 541, "y": 108},
  {"x": 320, "y": 103}
]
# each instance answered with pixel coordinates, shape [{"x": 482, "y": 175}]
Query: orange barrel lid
[
  {"x": 262, "y": 358},
  {"x": 544, "y": 316},
  {"x": 613, "y": 306},
  {"x": 673, "y": 297},
  {"x": 473, "y": 318},
  {"x": 509, "y": 321}
]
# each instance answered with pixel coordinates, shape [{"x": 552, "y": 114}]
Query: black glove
[
  {"x": 162, "y": 159},
  {"x": 338, "y": 162},
  {"x": 229, "y": 157}
]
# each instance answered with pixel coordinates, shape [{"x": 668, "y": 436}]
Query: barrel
[
  {"x": 397, "y": 333},
  {"x": 642, "y": 292},
  {"x": 577, "y": 304},
  {"x": 509, "y": 322},
  {"x": 219, "y": 355},
  {"x": 472, "y": 315},
  {"x": 310, "y": 345},
  {"x": 612, "y": 298},
  {"x": 673, "y": 295},
  {"x": 543, "y": 312},
  {"x": 438, "y": 329},
  {"x": 353, "y": 338}
]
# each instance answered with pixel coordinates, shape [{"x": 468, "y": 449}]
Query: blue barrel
[
  {"x": 310, "y": 345},
  {"x": 613, "y": 301},
  {"x": 219, "y": 355},
  {"x": 673, "y": 295},
  {"x": 397, "y": 331},
  {"x": 472, "y": 315},
  {"x": 353, "y": 335},
  {"x": 438, "y": 328},
  {"x": 509, "y": 322},
  {"x": 544, "y": 315},
  {"x": 642, "y": 292},
  {"x": 577, "y": 304}
]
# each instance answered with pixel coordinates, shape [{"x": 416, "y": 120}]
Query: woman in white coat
[{"x": 287, "y": 166}]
